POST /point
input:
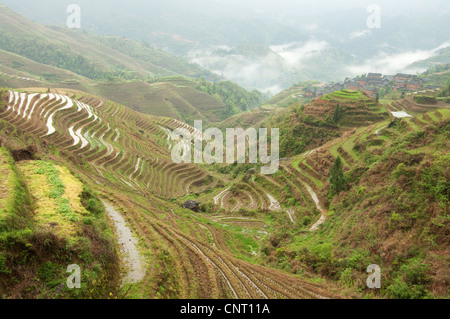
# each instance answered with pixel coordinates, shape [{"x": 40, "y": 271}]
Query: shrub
[
  {"x": 346, "y": 278},
  {"x": 3, "y": 268},
  {"x": 411, "y": 281},
  {"x": 424, "y": 99},
  {"x": 306, "y": 220},
  {"x": 91, "y": 202},
  {"x": 337, "y": 180}
]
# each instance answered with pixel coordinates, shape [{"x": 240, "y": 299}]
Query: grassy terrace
[
  {"x": 6, "y": 185},
  {"x": 131, "y": 134},
  {"x": 178, "y": 247},
  {"x": 57, "y": 196},
  {"x": 317, "y": 182},
  {"x": 345, "y": 95},
  {"x": 49, "y": 219}
]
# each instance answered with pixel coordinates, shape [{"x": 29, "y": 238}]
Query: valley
[{"x": 88, "y": 178}]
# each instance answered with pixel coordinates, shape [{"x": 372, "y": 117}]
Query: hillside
[
  {"x": 119, "y": 69},
  {"x": 441, "y": 58},
  {"x": 252, "y": 233},
  {"x": 392, "y": 209},
  {"x": 47, "y": 219},
  {"x": 308, "y": 126},
  {"x": 123, "y": 156},
  {"x": 89, "y": 179},
  {"x": 74, "y": 51},
  {"x": 292, "y": 94},
  {"x": 165, "y": 98}
]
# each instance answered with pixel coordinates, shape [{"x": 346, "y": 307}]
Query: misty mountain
[{"x": 301, "y": 40}]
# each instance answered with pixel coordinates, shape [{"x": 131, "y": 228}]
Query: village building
[
  {"x": 414, "y": 86},
  {"x": 353, "y": 86},
  {"x": 370, "y": 91},
  {"x": 403, "y": 77},
  {"x": 372, "y": 76}
]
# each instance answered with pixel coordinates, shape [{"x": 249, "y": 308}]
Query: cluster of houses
[{"x": 370, "y": 85}]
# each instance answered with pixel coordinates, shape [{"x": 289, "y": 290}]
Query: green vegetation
[
  {"x": 122, "y": 70},
  {"x": 235, "y": 98},
  {"x": 392, "y": 212},
  {"x": 337, "y": 181},
  {"x": 423, "y": 99},
  {"x": 43, "y": 52},
  {"x": 15, "y": 201},
  {"x": 45, "y": 247},
  {"x": 353, "y": 188},
  {"x": 445, "y": 92},
  {"x": 344, "y": 95},
  {"x": 159, "y": 63},
  {"x": 337, "y": 115},
  {"x": 304, "y": 127}
]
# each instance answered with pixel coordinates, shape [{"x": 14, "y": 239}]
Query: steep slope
[
  {"x": 119, "y": 69},
  {"x": 172, "y": 97},
  {"x": 16, "y": 67},
  {"x": 48, "y": 221},
  {"x": 392, "y": 211},
  {"x": 308, "y": 126},
  {"x": 443, "y": 57},
  {"x": 392, "y": 204},
  {"x": 123, "y": 155},
  {"x": 93, "y": 57}
]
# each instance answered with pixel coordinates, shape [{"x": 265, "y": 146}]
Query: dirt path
[
  {"x": 274, "y": 204},
  {"x": 134, "y": 262},
  {"x": 377, "y": 132},
  {"x": 322, "y": 211},
  {"x": 309, "y": 152},
  {"x": 290, "y": 213}
]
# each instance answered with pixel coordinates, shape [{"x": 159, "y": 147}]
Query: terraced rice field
[
  {"x": 90, "y": 128},
  {"x": 312, "y": 168},
  {"x": 126, "y": 153},
  {"x": 409, "y": 105}
]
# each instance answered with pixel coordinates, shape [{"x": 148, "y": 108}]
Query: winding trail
[
  {"x": 132, "y": 259},
  {"x": 290, "y": 213},
  {"x": 274, "y": 204},
  {"x": 322, "y": 211},
  {"x": 377, "y": 132}
]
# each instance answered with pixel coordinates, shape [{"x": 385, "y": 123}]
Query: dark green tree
[
  {"x": 337, "y": 114},
  {"x": 337, "y": 180}
]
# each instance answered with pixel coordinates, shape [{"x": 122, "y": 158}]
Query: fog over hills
[
  {"x": 135, "y": 139},
  {"x": 269, "y": 44}
]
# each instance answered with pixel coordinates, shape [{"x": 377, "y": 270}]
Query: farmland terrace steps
[
  {"x": 246, "y": 280},
  {"x": 102, "y": 136},
  {"x": 83, "y": 127},
  {"x": 204, "y": 271}
]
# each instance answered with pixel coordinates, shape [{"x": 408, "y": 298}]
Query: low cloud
[
  {"x": 394, "y": 63},
  {"x": 271, "y": 71},
  {"x": 296, "y": 53},
  {"x": 359, "y": 34},
  {"x": 250, "y": 72},
  {"x": 311, "y": 27}
]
